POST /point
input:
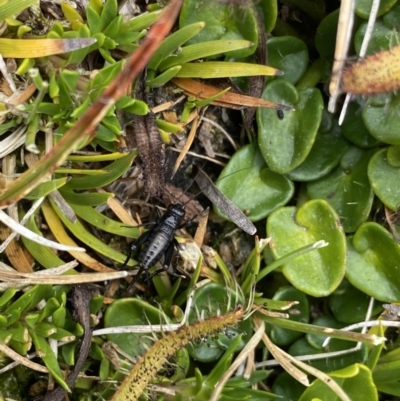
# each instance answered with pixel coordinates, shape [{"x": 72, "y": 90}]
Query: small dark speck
[{"x": 280, "y": 114}]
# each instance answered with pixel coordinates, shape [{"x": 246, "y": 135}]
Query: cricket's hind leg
[
  {"x": 131, "y": 287},
  {"x": 135, "y": 245}
]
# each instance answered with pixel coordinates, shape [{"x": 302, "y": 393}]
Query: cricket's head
[{"x": 178, "y": 210}]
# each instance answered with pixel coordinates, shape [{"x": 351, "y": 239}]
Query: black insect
[
  {"x": 280, "y": 114},
  {"x": 158, "y": 242}
]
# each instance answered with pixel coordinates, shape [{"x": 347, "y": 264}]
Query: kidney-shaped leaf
[
  {"x": 347, "y": 189},
  {"x": 222, "y": 21},
  {"x": 325, "y": 37},
  {"x": 373, "y": 262},
  {"x": 382, "y": 121},
  {"x": 328, "y": 364},
  {"x": 363, "y": 7},
  {"x": 392, "y": 18},
  {"x": 353, "y": 128},
  {"x": 281, "y": 336},
  {"x": 213, "y": 299},
  {"x": 325, "y": 154},
  {"x": 286, "y": 142},
  {"x": 253, "y": 187},
  {"x": 355, "y": 380},
  {"x": 290, "y": 55},
  {"x": 287, "y": 387},
  {"x": 385, "y": 35},
  {"x": 319, "y": 272},
  {"x": 126, "y": 312},
  {"x": 393, "y": 156},
  {"x": 384, "y": 180},
  {"x": 350, "y": 305}
]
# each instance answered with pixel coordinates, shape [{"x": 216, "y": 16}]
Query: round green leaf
[
  {"x": 382, "y": 39},
  {"x": 281, "y": 336},
  {"x": 324, "y": 156},
  {"x": 317, "y": 340},
  {"x": 347, "y": 189},
  {"x": 353, "y": 128},
  {"x": 302, "y": 347},
  {"x": 251, "y": 186},
  {"x": 373, "y": 262},
  {"x": 363, "y": 7},
  {"x": 325, "y": 37},
  {"x": 285, "y": 143},
  {"x": 393, "y": 156},
  {"x": 350, "y": 305},
  {"x": 290, "y": 55},
  {"x": 392, "y": 18},
  {"x": 287, "y": 387},
  {"x": 268, "y": 10},
  {"x": 384, "y": 180},
  {"x": 127, "y": 312},
  {"x": 223, "y": 21},
  {"x": 355, "y": 380},
  {"x": 319, "y": 272},
  {"x": 214, "y": 299},
  {"x": 382, "y": 121}
]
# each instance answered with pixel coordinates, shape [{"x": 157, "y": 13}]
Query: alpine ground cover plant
[{"x": 325, "y": 195}]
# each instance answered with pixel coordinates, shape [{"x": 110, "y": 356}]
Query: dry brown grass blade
[
  {"x": 280, "y": 356},
  {"x": 120, "y": 212},
  {"x": 201, "y": 228},
  {"x": 188, "y": 143},
  {"x": 343, "y": 38},
  {"x": 229, "y": 99},
  {"x": 18, "y": 256},
  {"x": 22, "y": 97},
  {"x": 20, "y": 359},
  {"x": 35, "y": 278}
]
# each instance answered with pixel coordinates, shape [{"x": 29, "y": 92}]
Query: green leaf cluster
[
  {"x": 315, "y": 188},
  {"x": 26, "y": 326}
]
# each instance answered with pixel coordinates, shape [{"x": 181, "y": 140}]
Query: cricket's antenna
[{"x": 197, "y": 171}]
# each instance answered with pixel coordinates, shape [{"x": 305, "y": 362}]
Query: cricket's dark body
[{"x": 158, "y": 242}]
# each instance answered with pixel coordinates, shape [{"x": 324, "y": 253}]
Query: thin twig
[{"x": 200, "y": 157}]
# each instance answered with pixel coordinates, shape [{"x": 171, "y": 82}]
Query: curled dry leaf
[
  {"x": 222, "y": 202},
  {"x": 230, "y": 99}
]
